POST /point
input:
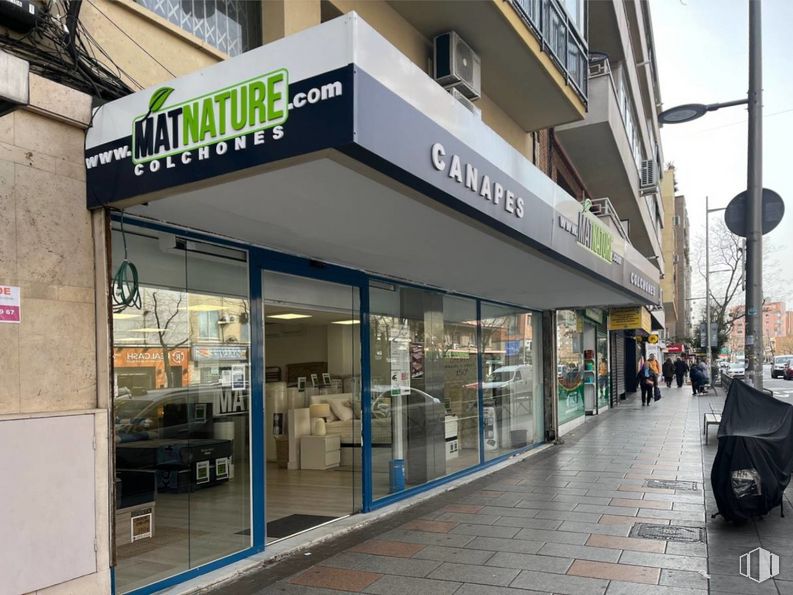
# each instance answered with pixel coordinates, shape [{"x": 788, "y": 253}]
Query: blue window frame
[{"x": 259, "y": 260}]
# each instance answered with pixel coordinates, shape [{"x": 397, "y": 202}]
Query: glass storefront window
[
  {"x": 570, "y": 365},
  {"x": 424, "y": 386},
  {"x": 511, "y": 386},
  {"x": 181, "y": 410}
]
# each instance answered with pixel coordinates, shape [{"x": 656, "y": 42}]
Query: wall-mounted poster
[
  {"x": 416, "y": 360},
  {"x": 301, "y": 383},
  {"x": 314, "y": 380},
  {"x": 141, "y": 525},
  {"x": 325, "y": 378},
  {"x": 400, "y": 368}
]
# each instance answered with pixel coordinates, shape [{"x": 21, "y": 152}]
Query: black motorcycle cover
[{"x": 754, "y": 460}]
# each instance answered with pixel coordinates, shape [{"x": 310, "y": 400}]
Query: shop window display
[
  {"x": 570, "y": 358},
  {"x": 181, "y": 411},
  {"x": 511, "y": 391},
  {"x": 424, "y": 386}
]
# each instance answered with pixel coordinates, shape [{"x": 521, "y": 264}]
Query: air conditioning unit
[
  {"x": 649, "y": 176},
  {"x": 457, "y": 65},
  {"x": 469, "y": 105}
]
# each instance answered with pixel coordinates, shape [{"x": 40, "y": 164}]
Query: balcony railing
[
  {"x": 551, "y": 26},
  {"x": 602, "y": 207}
]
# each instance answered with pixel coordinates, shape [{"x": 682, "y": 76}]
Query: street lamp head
[{"x": 682, "y": 113}]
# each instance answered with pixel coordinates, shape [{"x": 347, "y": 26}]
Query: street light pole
[
  {"x": 709, "y": 352},
  {"x": 753, "y": 347}
]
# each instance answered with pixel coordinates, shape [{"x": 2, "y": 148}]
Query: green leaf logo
[{"x": 158, "y": 99}]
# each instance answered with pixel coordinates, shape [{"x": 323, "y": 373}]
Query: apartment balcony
[
  {"x": 534, "y": 62},
  {"x": 605, "y": 155}
]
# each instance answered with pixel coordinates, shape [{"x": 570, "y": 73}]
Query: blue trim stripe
[
  {"x": 425, "y": 487},
  {"x": 366, "y": 401},
  {"x": 480, "y": 389},
  {"x": 258, "y": 457}
]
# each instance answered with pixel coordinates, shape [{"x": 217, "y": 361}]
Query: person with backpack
[
  {"x": 697, "y": 379},
  {"x": 647, "y": 379}
]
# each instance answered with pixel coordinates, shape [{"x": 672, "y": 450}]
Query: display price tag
[{"x": 9, "y": 304}]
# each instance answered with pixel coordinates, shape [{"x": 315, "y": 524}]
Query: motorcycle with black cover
[{"x": 754, "y": 460}]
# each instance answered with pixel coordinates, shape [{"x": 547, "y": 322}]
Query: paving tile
[
  {"x": 615, "y": 572},
  {"x": 341, "y": 579},
  {"x": 686, "y": 549},
  {"x": 627, "y": 543},
  {"x": 735, "y": 583},
  {"x": 621, "y": 529},
  {"x": 292, "y": 589},
  {"x": 381, "y": 564},
  {"x": 559, "y": 583},
  {"x": 686, "y": 506},
  {"x": 616, "y": 519},
  {"x": 485, "y": 530},
  {"x": 677, "y": 516},
  {"x": 429, "y": 526},
  {"x": 470, "y": 573},
  {"x": 502, "y": 511},
  {"x": 683, "y": 578},
  {"x": 546, "y": 505},
  {"x": 549, "y": 563},
  {"x": 581, "y": 517},
  {"x": 582, "y": 499},
  {"x": 665, "y": 561},
  {"x": 657, "y": 504},
  {"x": 618, "y": 510},
  {"x": 455, "y": 554},
  {"x": 582, "y": 552},
  {"x": 399, "y": 585},
  {"x": 528, "y": 523},
  {"x": 469, "y": 508},
  {"x": 468, "y": 589},
  {"x": 499, "y": 544},
  {"x": 624, "y": 588},
  {"x": 426, "y": 538},
  {"x": 397, "y": 549},
  {"x": 464, "y": 517},
  {"x": 553, "y": 536}
]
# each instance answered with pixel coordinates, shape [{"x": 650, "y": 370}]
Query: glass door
[{"x": 312, "y": 397}]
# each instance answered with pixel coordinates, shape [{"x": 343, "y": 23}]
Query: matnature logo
[{"x": 244, "y": 108}]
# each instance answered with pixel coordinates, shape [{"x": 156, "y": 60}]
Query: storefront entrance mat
[
  {"x": 669, "y": 533},
  {"x": 672, "y": 484},
  {"x": 294, "y": 523}
]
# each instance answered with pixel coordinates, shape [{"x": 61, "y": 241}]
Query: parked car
[
  {"x": 737, "y": 371},
  {"x": 778, "y": 367}
]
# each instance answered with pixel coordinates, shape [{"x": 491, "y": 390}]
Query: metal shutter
[{"x": 617, "y": 340}]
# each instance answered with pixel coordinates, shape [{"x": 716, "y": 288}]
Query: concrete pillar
[
  {"x": 285, "y": 17},
  {"x": 549, "y": 367}
]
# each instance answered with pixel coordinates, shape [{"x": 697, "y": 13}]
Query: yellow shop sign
[{"x": 628, "y": 319}]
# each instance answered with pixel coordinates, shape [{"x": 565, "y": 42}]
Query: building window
[
  {"x": 232, "y": 26},
  {"x": 208, "y": 327}
]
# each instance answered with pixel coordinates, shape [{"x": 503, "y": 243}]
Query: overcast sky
[{"x": 702, "y": 54}]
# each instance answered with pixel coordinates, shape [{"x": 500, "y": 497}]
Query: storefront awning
[{"x": 333, "y": 145}]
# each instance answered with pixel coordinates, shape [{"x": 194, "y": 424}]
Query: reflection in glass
[
  {"x": 181, "y": 412},
  {"x": 424, "y": 386},
  {"x": 512, "y": 398},
  {"x": 570, "y": 358},
  {"x": 603, "y": 371}
]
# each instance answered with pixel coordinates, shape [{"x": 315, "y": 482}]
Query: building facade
[
  {"x": 676, "y": 282},
  {"x": 775, "y": 320},
  {"x": 272, "y": 273}
]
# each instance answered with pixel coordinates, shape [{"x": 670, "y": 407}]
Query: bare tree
[
  {"x": 727, "y": 267},
  {"x": 165, "y": 314}
]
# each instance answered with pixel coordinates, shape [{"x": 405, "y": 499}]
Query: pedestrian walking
[
  {"x": 647, "y": 380},
  {"x": 681, "y": 369},
  {"x": 669, "y": 371}
]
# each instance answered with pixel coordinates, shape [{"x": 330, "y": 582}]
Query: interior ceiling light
[
  {"x": 125, "y": 316},
  {"x": 288, "y": 316},
  {"x": 346, "y": 322},
  {"x": 205, "y": 308},
  {"x": 146, "y": 330}
]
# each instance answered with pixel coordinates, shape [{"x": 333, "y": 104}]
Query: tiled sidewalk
[{"x": 559, "y": 522}]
